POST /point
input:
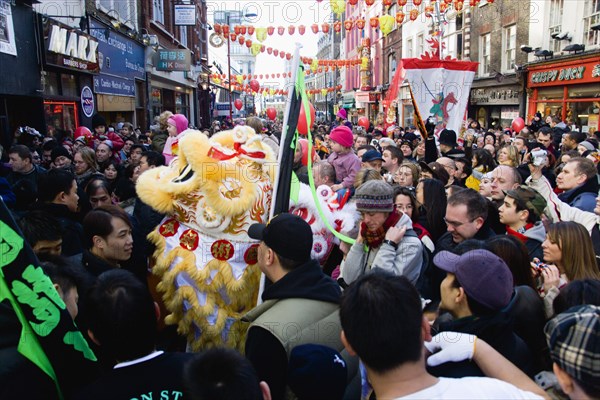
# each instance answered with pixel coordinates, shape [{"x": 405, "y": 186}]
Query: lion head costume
[{"x": 211, "y": 194}]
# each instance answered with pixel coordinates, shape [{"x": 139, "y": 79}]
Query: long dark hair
[
  {"x": 484, "y": 158},
  {"x": 515, "y": 254},
  {"x": 434, "y": 196}
]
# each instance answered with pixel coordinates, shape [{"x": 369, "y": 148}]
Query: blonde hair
[
  {"x": 576, "y": 248},
  {"x": 163, "y": 118},
  {"x": 513, "y": 155},
  {"x": 364, "y": 175},
  {"x": 88, "y": 156}
]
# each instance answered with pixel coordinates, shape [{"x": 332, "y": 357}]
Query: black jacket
[
  {"x": 497, "y": 331},
  {"x": 264, "y": 351},
  {"x": 72, "y": 231}
]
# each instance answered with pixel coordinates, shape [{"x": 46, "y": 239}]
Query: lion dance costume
[{"x": 211, "y": 193}]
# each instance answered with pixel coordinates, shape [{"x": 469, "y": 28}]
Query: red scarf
[
  {"x": 373, "y": 239},
  {"x": 518, "y": 235}
]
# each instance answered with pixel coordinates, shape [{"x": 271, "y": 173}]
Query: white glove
[{"x": 450, "y": 347}]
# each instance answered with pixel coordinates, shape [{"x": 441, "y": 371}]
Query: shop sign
[
  {"x": 185, "y": 14},
  {"x": 173, "y": 60},
  {"x": 483, "y": 96},
  {"x": 573, "y": 72},
  {"x": 70, "y": 48},
  {"x": 87, "y": 101},
  {"x": 105, "y": 84},
  {"x": 118, "y": 55}
]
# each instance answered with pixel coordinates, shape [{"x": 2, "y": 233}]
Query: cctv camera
[
  {"x": 526, "y": 49},
  {"x": 563, "y": 36},
  {"x": 555, "y": 35}
]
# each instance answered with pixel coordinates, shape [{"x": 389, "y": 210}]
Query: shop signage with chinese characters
[{"x": 173, "y": 60}]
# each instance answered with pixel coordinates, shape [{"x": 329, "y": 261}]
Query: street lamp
[{"x": 227, "y": 16}]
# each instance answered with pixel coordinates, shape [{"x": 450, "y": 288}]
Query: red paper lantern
[
  {"x": 374, "y": 22},
  {"x": 402, "y": 3},
  {"x": 399, "y": 17},
  {"x": 348, "y": 24},
  {"x": 237, "y": 29},
  {"x": 250, "y": 30},
  {"x": 360, "y": 23},
  {"x": 302, "y": 127},
  {"x": 417, "y": 2},
  {"x": 275, "y": 52},
  {"x": 238, "y": 104},
  {"x": 353, "y": 2},
  {"x": 280, "y": 30},
  {"x": 241, "y": 39},
  {"x": 233, "y": 37},
  {"x": 217, "y": 28},
  {"x": 387, "y": 3},
  {"x": 369, "y": 2},
  {"x": 288, "y": 56},
  {"x": 270, "y": 30},
  {"x": 315, "y": 28},
  {"x": 272, "y": 113},
  {"x": 262, "y": 48},
  {"x": 458, "y": 5},
  {"x": 243, "y": 29},
  {"x": 414, "y": 14},
  {"x": 248, "y": 43},
  {"x": 269, "y": 50},
  {"x": 301, "y": 29},
  {"x": 278, "y": 75},
  {"x": 281, "y": 54},
  {"x": 337, "y": 26},
  {"x": 325, "y": 28},
  {"x": 291, "y": 29},
  {"x": 260, "y": 76}
]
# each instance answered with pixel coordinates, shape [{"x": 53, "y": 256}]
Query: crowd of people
[{"x": 473, "y": 272}]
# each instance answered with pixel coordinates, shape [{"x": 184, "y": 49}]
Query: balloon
[
  {"x": 302, "y": 128},
  {"x": 254, "y": 85},
  {"x": 272, "y": 113},
  {"x": 238, "y": 104},
  {"x": 518, "y": 124},
  {"x": 364, "y": 122}
]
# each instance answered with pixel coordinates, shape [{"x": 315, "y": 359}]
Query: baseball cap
[
  {"x": 528, "y": 198},
  {"x": 371, "y": 155},
  {"x": 317, "y": 372},
  {"x": 287, "y": 234},
  {"x": 574, "y": 341},
  {"x": 484, "y": 276}
]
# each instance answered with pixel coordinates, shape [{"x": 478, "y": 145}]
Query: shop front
[
  {"x": 406, "y": 110},
  {"x": 70, "y": 63},
  {"x": 119, "y": 87},
  {"x": 172, "y": 86},
  {"x": 494, "y": 104},
  {"x": 368, "y": 103},
  {"x": 569, "y": 89}
]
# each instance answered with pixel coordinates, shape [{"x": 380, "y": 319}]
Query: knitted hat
[
  {"x": 587, "y": 145},
  {"x": 59, "y": 151},
  {"x": 342, "y": 135},
  {"x": 179, "y": 121},
  {"x": 374, "y": 196},
  {"x": 342, "y": 113},
  {"x": 98, "y": 120}
]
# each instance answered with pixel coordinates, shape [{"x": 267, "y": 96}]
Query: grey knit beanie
[{"x": 374, "y": 196}]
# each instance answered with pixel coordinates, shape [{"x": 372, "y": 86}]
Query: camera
[{"x": 539, "y": 157}]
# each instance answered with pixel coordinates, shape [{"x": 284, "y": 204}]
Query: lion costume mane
[{"x": 206, "y": 262}]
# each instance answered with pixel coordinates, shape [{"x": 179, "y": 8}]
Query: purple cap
[{"x": 484, "y": 276}]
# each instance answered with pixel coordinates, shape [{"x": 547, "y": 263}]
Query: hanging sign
[{"x": 185, "y": 15}]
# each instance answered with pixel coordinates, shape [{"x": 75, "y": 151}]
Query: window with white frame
[
  {"x": 420, "y": 44},
  {"x": 555, "y": 25},
  {"x": 125, "y": 11},
  {"x": 484, "y": 54},
  {"x": 158, "y": 11},
  {"x": 509, "y": 47},
  {"x": 392, "y": 11},
  {"x": 409, "y": 48},
  {"x": 453, "y": 38},
  {"x": 391, "y": 67},
  {"x": 183, "y": 35},
  {"x": 591, "y": 17}
]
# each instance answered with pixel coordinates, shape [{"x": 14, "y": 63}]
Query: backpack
[{"x": 423, "y": 283}]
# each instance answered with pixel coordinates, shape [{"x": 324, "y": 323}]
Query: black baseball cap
[{"x": 287, "y": 234}]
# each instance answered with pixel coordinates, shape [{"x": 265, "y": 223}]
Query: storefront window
[
  {"x": 181, "y": 104},
  {"x": 61, "y": 117},
  {"x": 409, "y": 115},
  {"x": 156, "y": 100},
  {"x": 551, "y": 108},
  {"x": 68, "y": 84}
]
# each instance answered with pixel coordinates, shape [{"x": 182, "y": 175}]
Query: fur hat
[
  {"x": 179, "y": 121},
  {"x": 342, "y": 135},
  {"x": 374, "y": 196},
  {"x": 98, "y": 120}
]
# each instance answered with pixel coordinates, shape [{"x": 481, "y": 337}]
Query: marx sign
[{"x": 70, "y": 48}]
